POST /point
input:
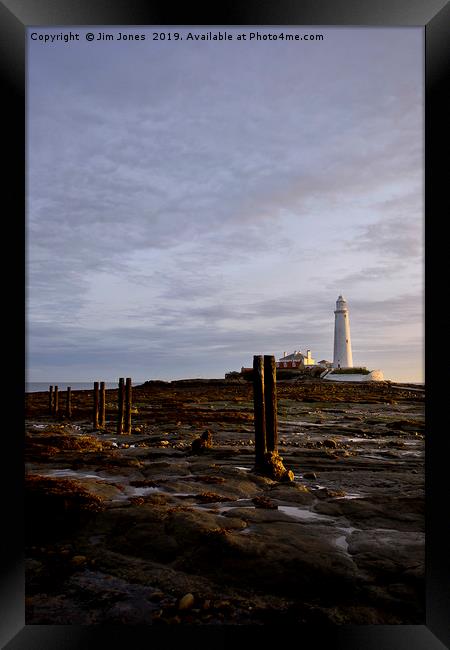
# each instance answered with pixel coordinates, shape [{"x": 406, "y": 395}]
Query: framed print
[{"x": 232, "y": 415}]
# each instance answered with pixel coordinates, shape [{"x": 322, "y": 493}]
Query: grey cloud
[
  {"x": 399, "y": 236},
  {"x": 368, "y": 274}
]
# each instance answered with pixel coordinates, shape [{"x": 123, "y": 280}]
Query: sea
[{"x": 43, "y": 386}]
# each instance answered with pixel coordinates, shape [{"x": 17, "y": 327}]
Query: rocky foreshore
[{"x": 154, "y": 528}]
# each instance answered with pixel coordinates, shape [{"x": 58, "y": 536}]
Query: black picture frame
[{"x": 434, "y": 16}]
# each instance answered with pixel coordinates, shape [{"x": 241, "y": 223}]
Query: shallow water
[
  {"x": 303, "y": 514},
  {"x": 141, "y": 491},
  {"x": 341, "y": 541},
  {"x": 75, "y": 474},
  {"x": 309, "y": 424}
]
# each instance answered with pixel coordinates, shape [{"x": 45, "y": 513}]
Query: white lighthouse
[{"x": 342, "y": 345}]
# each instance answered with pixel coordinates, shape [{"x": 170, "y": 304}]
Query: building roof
[{"x": 295, "y": 356}]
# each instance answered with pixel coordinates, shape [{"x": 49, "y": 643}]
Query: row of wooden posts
[
  {"x": 265, "y": 406},
  {"x": 99, "y": 408},
  {"x": 264, "y": 402}
]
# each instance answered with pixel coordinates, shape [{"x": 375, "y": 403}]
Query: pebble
[
  {"x": 78, "y": 560},
  {"x": 222, "y": 604},
  {"x": 157, "y": 595},
  {"x": 312, "y": 475},
  {"x": 186, "y": 602}
]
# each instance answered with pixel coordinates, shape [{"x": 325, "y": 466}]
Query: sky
[{"x": 193, "y": 203}]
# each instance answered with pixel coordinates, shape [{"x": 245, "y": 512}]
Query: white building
[
  {"x": 296, "y": 360},
  {"x": 342, "y": 357}
]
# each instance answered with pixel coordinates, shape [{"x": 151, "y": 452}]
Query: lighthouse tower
[{"x": 342, "y": 345}]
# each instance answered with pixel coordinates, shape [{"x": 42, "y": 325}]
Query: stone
[
  {"x": 203, "y": 442},
  {"x": 329, "y": 442},
  {"x": 186, "y": 602},
  {"x": 78, "y": 560},
  {"x": 311, "y": 475}
]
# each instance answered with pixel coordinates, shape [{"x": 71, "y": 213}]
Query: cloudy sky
[{"x": 191, "y": 204}]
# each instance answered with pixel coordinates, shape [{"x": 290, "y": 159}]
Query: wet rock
[
  {"x": 52, "y": 503},
  {"x": 208, "y": 479},
  {"x": 292, "y": 492},
  {"x": 203, "y": 442},
  {"x": 264, "y": 502},
  {"x": 210, "y": 497},
  {"x": 78, "y": 560},
  {"x": 329, "y": 442},
  {"x": 131, "y": 611},
  {"x": 398, "y": 424},
  {"x": 387, "y": 552},
  {"x": 311, "y": 475},
  {"x": 144, "y": 483},
  {"x": 334, "y": 493}
]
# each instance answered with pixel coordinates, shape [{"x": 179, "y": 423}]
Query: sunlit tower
[{"x": 342, "y": 357}]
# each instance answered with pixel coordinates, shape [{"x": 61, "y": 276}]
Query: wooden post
[
  {"x": 102, "y": 405},
  {"x": 128, "y": 405},
  {"x": 259, "y": 410},
  {"x": 50, "y": 400},
  {"x": 95, "y": 413},
  {"x": 55, "y": 402},
  {"x": 68, "y": 402},
  {"x": 270, "y": 401},
  {"x": 120, "y": 404}
]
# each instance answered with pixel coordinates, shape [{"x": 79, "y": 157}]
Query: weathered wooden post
[
  {"x": 95, "y": 411},
  {"x": 55, "y": 402},
  {"x": 50, "y": 400},
  {"x": 68, "y": 402},
  {"x": 270, "y": 401},
  {"x": 102, "y": 416},
  {"x": 128, "y": 405},
  {"x": 120, "y": 404},
  {"x": 259, "y": 410}
]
